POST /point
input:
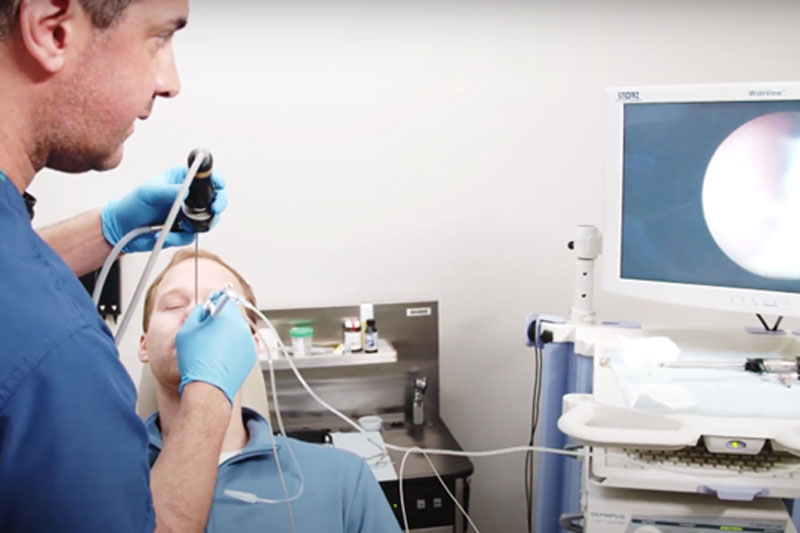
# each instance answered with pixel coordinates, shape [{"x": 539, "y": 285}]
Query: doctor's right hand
[
  {"x": 149, "y": 205},
  {"x": 217, "y": 350}
]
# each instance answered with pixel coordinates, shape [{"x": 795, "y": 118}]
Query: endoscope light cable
[
  {"x": 162, "y": 236},
  {"x": 112, "y": 256},
  {"x": 171, "y": 216}
]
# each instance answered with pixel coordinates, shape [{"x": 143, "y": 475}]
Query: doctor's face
[
  {"x": 172, "y": 302},
  {"x": 114, "y": 79}
]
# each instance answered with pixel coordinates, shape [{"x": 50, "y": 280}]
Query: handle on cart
[
  {"x": 599, "y": 425},
  {"x": 735, "y": 494}
]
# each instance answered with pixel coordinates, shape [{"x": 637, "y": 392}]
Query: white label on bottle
[
  {"x": 371, "y": 342},
  {"x": 418, "y": 311},
  {"x": 299, "y": 347},
  {"x": 353, "y": 340}
]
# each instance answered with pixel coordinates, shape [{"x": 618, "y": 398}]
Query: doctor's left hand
[
  {"x": 217, "y": 350},
  {"x": 148, "y": 205}
]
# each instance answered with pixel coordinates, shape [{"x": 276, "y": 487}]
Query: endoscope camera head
[{"x": 196, "y": 211}]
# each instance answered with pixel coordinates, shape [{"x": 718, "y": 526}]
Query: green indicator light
[
  {"x": 735, "y": 444},
  {"x": 731, "y": 528},
  {"x": 394, "y": 505}
]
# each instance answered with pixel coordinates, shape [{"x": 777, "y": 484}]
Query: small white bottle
[{"x": 352, "y": 334}]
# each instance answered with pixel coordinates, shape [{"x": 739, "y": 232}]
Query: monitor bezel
[{"x": 693, "y": 295}]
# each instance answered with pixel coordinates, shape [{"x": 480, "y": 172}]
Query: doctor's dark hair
[
  {"x": 102, "y": 12},
  {"x": 185, "y": 254}
]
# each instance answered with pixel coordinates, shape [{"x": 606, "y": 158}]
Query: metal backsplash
[{"x": 364, "y": 389}]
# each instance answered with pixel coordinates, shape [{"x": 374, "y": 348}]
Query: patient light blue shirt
[
  {"x": 72, "y": 450},
  {"x": 340, "y": 493}
]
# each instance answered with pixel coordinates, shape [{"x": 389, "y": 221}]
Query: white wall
[{"x": 394, "y": 150}]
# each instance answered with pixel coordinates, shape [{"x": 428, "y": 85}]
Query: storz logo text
[{"x": 627, "y": 96}]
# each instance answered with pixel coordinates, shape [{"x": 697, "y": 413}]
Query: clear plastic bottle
[{"x": 301, "y": 340}]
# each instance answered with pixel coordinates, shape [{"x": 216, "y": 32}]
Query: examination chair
[{"x": 254, "y": 392}]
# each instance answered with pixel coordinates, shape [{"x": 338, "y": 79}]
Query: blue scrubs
[
  {"x": 73, "y": 453},
  {"x": 340, "y": 493}
]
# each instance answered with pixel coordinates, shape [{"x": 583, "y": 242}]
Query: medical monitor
[{"x": 703, "y": 196}]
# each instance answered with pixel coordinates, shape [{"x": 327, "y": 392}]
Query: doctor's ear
[{"x": 48, "y": 28}]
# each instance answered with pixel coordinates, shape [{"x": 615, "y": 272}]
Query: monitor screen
[{"x": 704, "y": 196}]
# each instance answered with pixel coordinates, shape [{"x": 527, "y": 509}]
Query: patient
[{"x": 340, "y": 492}]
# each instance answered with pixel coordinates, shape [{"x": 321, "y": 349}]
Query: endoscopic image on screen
[{"x": 711, "y": 194}]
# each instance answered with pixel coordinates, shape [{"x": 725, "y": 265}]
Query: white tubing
[
  {"x": 173, "y": 214},
  {"x": 115, "y": 251},
  {"x": 407, "y": 451}
]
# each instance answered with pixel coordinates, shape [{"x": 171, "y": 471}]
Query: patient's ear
[
  {"x": 143, "y": 357},
  {"x": 257, "y": 341}
]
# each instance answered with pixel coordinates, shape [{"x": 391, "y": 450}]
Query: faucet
[{"x": 417, "y": 411}]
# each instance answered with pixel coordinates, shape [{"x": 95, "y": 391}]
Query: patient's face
[{"x": 172, "y": 303}]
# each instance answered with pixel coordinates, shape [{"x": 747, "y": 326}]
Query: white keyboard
[{"x": 687, "y": 469}]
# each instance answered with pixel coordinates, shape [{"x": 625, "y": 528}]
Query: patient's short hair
[{"x": 188, "y": 254}]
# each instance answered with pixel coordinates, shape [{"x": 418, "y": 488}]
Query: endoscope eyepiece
[
  {"x": 204, "y": 170},
  {"x": 196, "y": 212}
]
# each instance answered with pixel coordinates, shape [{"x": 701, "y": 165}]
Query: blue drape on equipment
[{"x": 558, "y": 479}]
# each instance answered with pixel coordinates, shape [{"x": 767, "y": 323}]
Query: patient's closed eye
[{"x": 174, "y": 304}]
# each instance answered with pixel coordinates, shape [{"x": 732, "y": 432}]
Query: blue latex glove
[
  {"x": 218, "y": 350},
  {"x": 148, "y": 205}
]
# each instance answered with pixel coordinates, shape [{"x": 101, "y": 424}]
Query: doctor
[{"x": 74, "y": 76}]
